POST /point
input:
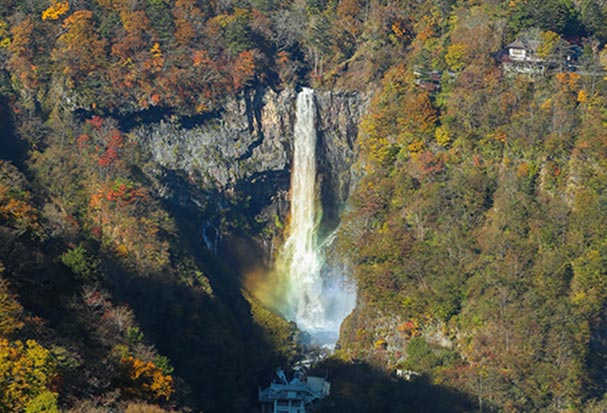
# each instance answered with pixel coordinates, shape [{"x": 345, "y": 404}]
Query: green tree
[
  {"x": 45, "y": 402},
  {"x": 83, "y": 265},
  {"x": 161, "y": 18}
]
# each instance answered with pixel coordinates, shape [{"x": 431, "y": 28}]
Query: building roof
[
  {"x": 517, "y": 44},
  {"x": 525, "y": 44},
  {"x": 308, "y": 390},
  {"x": 291, "y": 391}
]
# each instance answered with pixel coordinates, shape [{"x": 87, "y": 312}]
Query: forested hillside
[
  {"x": 475, "y": 234},
  {"x": 477, "y": 231}
]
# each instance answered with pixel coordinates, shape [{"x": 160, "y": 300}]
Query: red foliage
[
  {"x": 116, "y": 140},
  {"x": 477, "y": 161},
  {"x": 108, "y": 157},
  {"x": 96, "y": 232},
  {"x": 95, "y": 121},
  {"x": 111, "y": 152},
  {"x": 124, "y": 193},
  {"x": 429, "y": 163},
  {"x": 82, "y": 140}
]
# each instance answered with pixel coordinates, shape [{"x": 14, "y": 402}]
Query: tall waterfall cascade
[{"x": 317, "y": 297}]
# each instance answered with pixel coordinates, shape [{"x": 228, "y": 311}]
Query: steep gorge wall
[{"x": 240, "y": 159}]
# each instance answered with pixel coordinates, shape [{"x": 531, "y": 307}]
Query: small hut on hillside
[{"x": 523, "y": 50}]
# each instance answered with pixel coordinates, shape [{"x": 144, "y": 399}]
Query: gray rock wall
[
  {"x": 243, "y": 156},
  {"x": 252, "y": 138}
]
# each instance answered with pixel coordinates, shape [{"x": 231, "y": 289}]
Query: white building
[
  {"x": 523, "y": 51},
  {"x": 294, "y": 396}
]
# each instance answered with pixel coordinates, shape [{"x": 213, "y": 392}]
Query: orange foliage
[
  {"x": 522, "y": 170},
  {"x": 568, "y": 81},
  {"x": 78, "y": 47},
  {"x": 120, "y": 191},
  {"x": 186, "y": 12},
  {"x": 243, "y": 69},
  {"x": 283, "y": 57},
  {"x": 184, "y": 31},
  {"x": 155, "y": 98},
  {"x": 428, "y": 25},
  {"x": 200, "y": 58},
  {"x": 10, "y": 309},
  {"x": 134, "y": 21},
  {"x": 399, "y": 31},
  {"x": 18, "y": 212},
  {"x": 20, "y": 60},
  {"x": 136, "y": 25},
  {"x": 96, "y": 199},
  {"x": 146, "y": 380},
  {"x": 349, "y": 8},
  {"x": 108, "y": 157},
  {"x": 411, "y": 328},
  {"x": 78, "y": 17}
]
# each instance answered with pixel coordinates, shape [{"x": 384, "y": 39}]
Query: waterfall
[{"x": 316, "y": 297}]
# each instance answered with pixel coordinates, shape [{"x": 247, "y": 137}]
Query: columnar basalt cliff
[{"x": 242, "y": 156}]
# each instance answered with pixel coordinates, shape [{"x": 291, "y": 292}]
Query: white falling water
[{"x": 317, "y": 298}]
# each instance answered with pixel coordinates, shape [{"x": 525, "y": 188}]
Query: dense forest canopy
[{"x": 476, "y": 234}]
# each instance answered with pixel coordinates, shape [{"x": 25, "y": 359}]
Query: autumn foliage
[
  {"x": 26, "y": 370},
  {"x": 58, "y": 9},
  {"x": 146, "y": 380}
]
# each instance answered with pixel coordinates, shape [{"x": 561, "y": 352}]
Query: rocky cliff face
[{"x": 240, "y": 158}]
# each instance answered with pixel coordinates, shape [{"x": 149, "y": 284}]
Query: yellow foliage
[
  {"x": 381, "y": 344},
  {"x": 579, "y": 298},
  {"x": 548, "y": 40},
  {"x": 456, "y": 56},
  {"x": 499, "y": 136},
  {"x": 10, "y": 309},
  {"x": 223, "y": 20},
  {"x": 201, "y": 107},
  {"x": 25, "y": 372},
  {"x": 582, "y": 96},
  {"x": 398, "y": 31},
  {"x": 122, "y": 250},
  {"x": 442, "y": 136},
  {"x": 546, "y": 105},
  {"x": 157, "y": 62},
  {"x": 375, "y": 144},
  {"x": 155, "y": 51},
  {"x": 58, "y": 9},
  {"x": 5, "y": 39},
  {"x": 416, "y": 146},
  {"x": 603, "y": 57}
]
